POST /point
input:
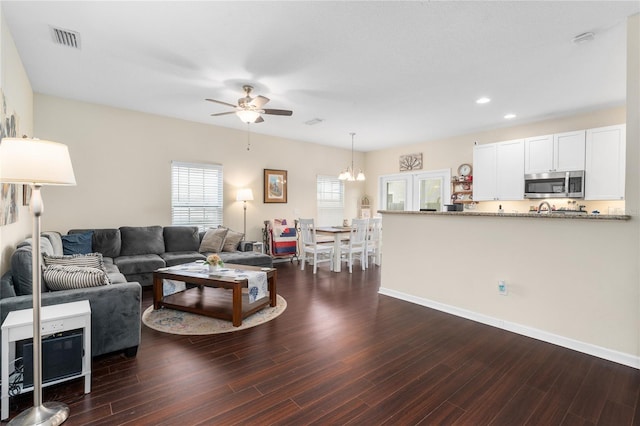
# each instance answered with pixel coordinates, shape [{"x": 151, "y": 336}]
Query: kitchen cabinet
[
  {"x": 605, "y": 163},
  {"x": 555, "y": 153},
  {"x": 498, "y": 171}
]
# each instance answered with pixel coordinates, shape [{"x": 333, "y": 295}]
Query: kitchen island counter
[
  {"x": 572, "y": 280},
  {"x": 552, "y": 215}
]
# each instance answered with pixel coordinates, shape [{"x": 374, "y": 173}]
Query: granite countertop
[{"x": 552, "y": 215}]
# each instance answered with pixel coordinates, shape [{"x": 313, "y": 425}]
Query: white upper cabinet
[
  {"x": 569, "y": 151},
  {"x": 538, "y": 154},
  {"x": 484, "y": 172},
  {"x": 555, "y": 153},
  {"x": 605, "y": 163},
  {"x": 498, "y": 171}
]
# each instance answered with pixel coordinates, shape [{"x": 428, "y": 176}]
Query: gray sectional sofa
[
  {"x": 137, "y": 251},
  {"x": 130, "y": 254}
]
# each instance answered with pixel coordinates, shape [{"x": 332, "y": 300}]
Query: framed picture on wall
[{"x": 275, "y": 186}]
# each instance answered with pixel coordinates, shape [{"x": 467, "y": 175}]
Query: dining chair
[
  {"x": 310, "y": 248},
  {"x": 374, "y": 241},
  {"x": 356, "y": 248}
]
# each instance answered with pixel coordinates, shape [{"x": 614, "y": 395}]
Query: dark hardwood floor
[{"x": 342, "y": 354}]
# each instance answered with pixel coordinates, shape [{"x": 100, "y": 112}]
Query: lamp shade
[
  {"x": 35, "y": 161},
  {"x": 248, "y": 115},
  {"x": 245, "y": 194}
]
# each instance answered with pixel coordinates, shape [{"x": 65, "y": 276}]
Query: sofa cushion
[
  {"x": 56, "y": 241},
  {"x": 116, "y": 278},
  {"x": 232, "y": 240},
  {"x": 77, "y": 243},
  {"x": 139, "y": 264},
  {"x": 137, "y": 240},
  {"x": 67, "y": 277},
  {"x": 21, "y": 270},
  {"x": 6, "y": 286},
  {"x": 250, "y": 258},
  {"x": 179, "y": 257},
  {"x": 45, "y": 246},
  {"x": 181, "y": 238},
  {"x": 213, "y": 240}
]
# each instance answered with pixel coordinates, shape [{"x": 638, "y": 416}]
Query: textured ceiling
[{"x": 392, "y": 72}]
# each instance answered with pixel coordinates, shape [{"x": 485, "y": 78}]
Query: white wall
[
  {"x": 19, "y": 97},
  {"x": 122, "y": 160}
]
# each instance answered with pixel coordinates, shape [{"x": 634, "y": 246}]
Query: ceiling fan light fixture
[{"x": 248, "y": 115}]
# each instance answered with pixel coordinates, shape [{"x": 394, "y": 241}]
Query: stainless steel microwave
[{"x": 554, "y": 185}]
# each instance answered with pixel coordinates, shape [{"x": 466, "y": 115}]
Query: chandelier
[{"x": 349, "y": 173}]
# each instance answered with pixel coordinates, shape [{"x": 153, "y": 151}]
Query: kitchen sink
[{"x": 569, "y": 211}]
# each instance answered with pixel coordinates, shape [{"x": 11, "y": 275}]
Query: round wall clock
[{"x": 464, "y": 169}]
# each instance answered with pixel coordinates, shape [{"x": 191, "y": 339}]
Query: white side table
[{"x": 54, "y": 319}]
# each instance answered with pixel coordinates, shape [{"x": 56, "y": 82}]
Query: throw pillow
[
  {"x": 77, "y": 243},
  {"x": 90, "y": 260},
  {"x": 64, "y": 277},
  {"x": 232, "y": 240},
  {"x": 213, "y": 240}
]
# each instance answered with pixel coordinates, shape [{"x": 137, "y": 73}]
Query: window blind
[
  {"x": 196, "y": 194},
  {"x": 330, "y": 193}
]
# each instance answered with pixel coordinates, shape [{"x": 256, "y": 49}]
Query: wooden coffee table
[{"x": 211, "y": 296}]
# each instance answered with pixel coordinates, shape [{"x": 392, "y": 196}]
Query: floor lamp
[
  {"x": 37, "y": 162},
  {"x": 245, "y": 195}
]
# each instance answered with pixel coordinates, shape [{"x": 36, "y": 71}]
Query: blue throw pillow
[{"x": 77, "y": 243}]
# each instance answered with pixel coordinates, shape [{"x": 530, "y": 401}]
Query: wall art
[
  {"x": 410, "y": 162},
  {"x": 275, "y": 186}
]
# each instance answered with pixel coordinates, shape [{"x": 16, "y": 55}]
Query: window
[
  {"x": 196, "y": 194},
  {"x": 415, "y": 191},
  {"x": 330, "y": 200}
]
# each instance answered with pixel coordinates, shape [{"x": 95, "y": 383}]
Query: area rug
[{"x": 186, "y": 323}]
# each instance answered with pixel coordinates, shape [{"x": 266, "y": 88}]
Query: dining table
[{"x": 339, "y": 233}]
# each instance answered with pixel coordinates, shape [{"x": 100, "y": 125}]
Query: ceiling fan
[{"x": 249, "y": 109}]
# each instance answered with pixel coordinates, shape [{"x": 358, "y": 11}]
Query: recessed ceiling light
[
  {"x": 483, "y": 100},
  {"x": 509, "y": 116}
]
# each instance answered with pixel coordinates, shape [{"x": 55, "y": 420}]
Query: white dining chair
[
  {"x": 309, "y": 247},
  {"x": 356, "y": 248},
  {"x": 374, "y": 241}
]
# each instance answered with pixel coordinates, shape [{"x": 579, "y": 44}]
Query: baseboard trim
[{"x": 587, "y": 348}]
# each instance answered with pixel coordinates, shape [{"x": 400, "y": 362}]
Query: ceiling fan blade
[
  {"x": 259, "y": 120},
  {"x": 220, "y": 102},
  {"x": 259, "y": 101},
  {"x": 278, "y": 112},
  {"x": 223, "y": 113}
]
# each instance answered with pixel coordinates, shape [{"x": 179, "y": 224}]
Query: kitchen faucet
[{"x": 542, "y": 204}]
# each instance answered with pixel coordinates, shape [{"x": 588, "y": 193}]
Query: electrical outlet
[{"x": 502, "y": 288}]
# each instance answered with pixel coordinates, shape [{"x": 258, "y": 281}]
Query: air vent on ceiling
[{"x": 66, "y": 37}]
